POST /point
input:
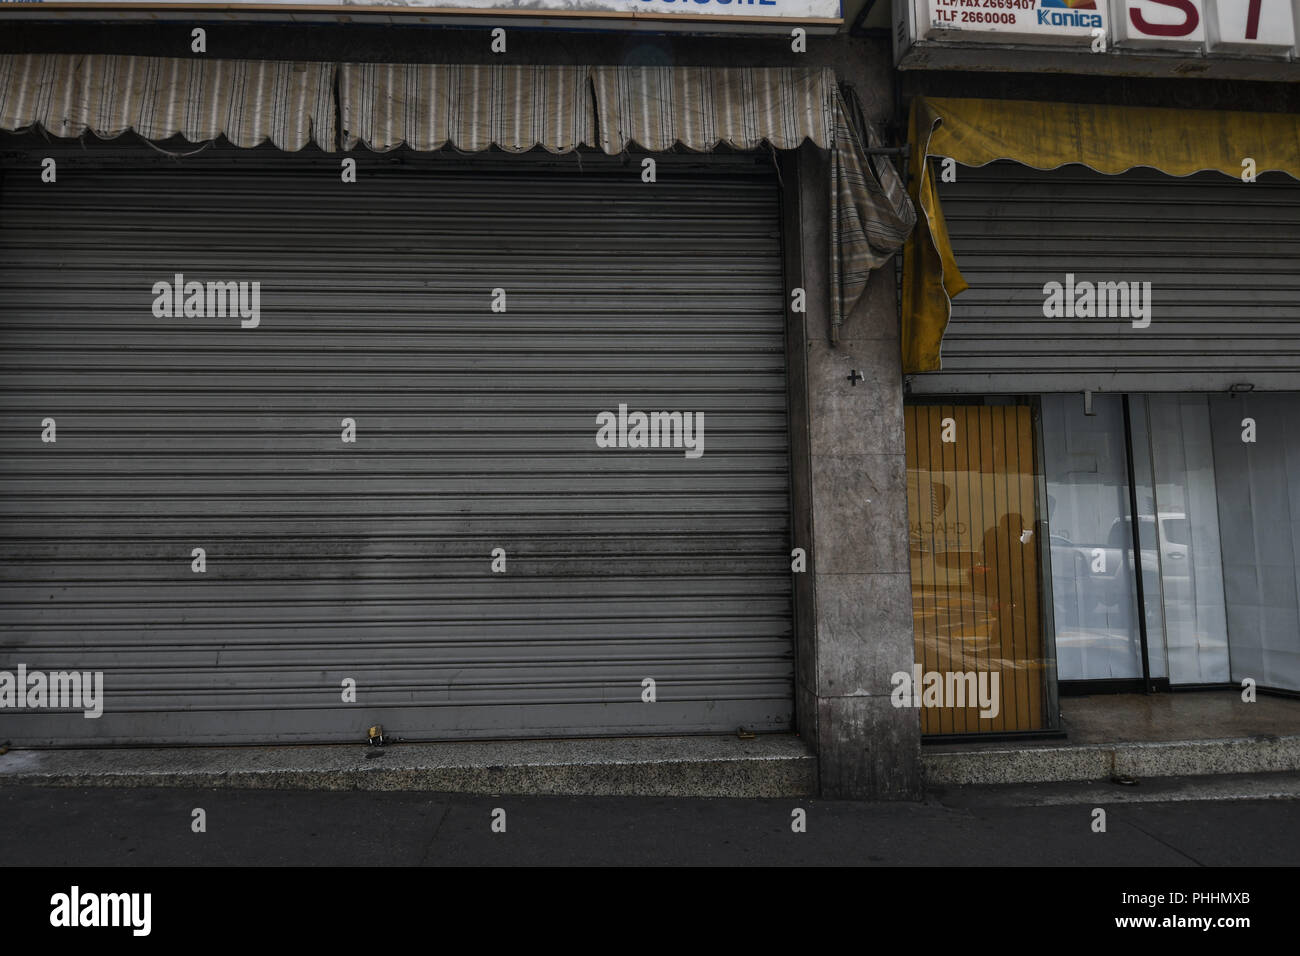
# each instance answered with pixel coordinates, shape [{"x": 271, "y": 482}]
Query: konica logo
[{"x": 1068, "y": 18}]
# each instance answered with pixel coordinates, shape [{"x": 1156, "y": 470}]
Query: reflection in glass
[
  {"x": 974, "y": 546},
  {"x": 1094, "y": 597}
]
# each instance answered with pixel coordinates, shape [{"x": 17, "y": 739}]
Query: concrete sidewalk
[
  {"x": 1125, "y": 735},
  {"x": 766, "y": 766}
]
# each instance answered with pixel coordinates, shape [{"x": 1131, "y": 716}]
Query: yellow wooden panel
[{"x": 973, "y": 541}]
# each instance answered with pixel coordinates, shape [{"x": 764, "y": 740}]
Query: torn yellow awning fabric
[{"x": 1044, "y": 135}]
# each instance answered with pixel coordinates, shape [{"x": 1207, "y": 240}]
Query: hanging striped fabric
[{"x": 871, "y": 215}]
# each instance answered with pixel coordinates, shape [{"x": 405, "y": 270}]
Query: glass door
[
  {"x": 1026, "y": 567},
  {"x": 1089, "y": 516},
  {"x": 1160, "y": 619}
]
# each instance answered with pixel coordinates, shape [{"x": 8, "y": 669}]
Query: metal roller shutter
[
  {"x": 475, "y": 430},
  {"x": 1223, "y": 259}
]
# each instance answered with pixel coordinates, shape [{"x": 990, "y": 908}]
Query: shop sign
[
  {"x": 1169, "y": 24},
  {"x": 1252, "y": 26},
  {"x": 1055, "y": 22},
  {"x": 1228, "y": 28},
  {"x": 749, "y": 11}
]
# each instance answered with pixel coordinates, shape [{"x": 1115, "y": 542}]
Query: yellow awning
[{"x": 1108, "y": 139}]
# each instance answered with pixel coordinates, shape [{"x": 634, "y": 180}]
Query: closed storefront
[
  {"x": 388, "y": 454},
  {"x": 464, "y": 401},
  {"x": 1147, "y": 323}
]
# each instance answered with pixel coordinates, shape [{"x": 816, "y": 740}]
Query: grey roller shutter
[
  {"x": 475, "y": 430},
  {"x": 1222, "y": 257}
]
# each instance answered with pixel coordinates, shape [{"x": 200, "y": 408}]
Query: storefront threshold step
[
  {"x": 1264, "y": 753},
  {"x": 767, "y": 765}
]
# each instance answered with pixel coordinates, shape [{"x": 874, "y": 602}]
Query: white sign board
[
  {"x": 797, "y": 11},
  {"x": 1224, "y": 29},
  {"x": 1054, "y": 22}
]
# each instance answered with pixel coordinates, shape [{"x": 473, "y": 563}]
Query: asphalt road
[{"x": 149, "y": 827}]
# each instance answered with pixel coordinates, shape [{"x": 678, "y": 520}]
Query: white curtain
[
  {"x": 1191, "y": 568},
  {"x": 1259, "y": 514}
]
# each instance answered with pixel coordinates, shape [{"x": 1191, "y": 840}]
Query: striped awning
[
  {"x": 248, "y": 101},
  {"x": 657, "y": 107},
  {"x": 470, "y": 108}
]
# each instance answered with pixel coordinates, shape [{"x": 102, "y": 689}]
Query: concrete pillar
[{"x": 854, "y": 608}]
